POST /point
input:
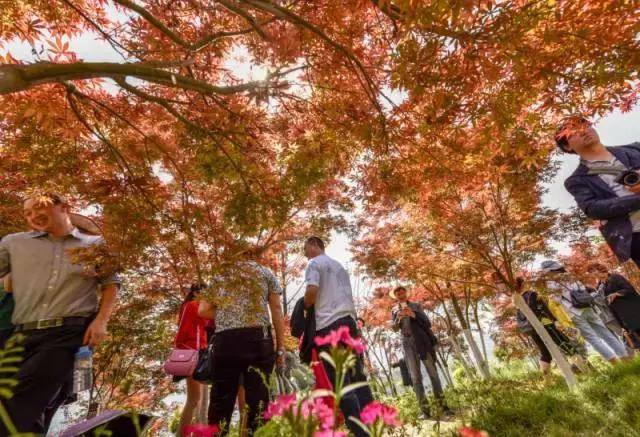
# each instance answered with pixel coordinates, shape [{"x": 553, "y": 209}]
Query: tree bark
[
  {"x": 457, "y": 350},
  {"x": 556, "y": 354},
  {"x": 19, "y": 77},
  {"x": 442, "y": 362},
  {"x": 481, "y": 363},
  {"x": 480, "y": 331}
]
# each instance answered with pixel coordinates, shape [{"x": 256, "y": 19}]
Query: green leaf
[
  {"x": 360, "y": 424},
  {"x": 325, "y": 356},
  {"x": 321, "y": 392},
  {"x": 354, "y": 386}
]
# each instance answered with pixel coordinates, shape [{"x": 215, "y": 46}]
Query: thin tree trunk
[
  {"x": 457, "y": 350},
  {"x": 388, "y": 373},
  {"x": 444, "y": 367},
  {"x": 556, "y": 354},
  {"x": 283, "y": 275},
  {"x": 481, "y": 363},
  {"x": 480, "y": 331}
]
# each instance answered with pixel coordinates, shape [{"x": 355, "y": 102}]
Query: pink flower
[
  {"x": 467, "y": 431},
  {"x": 342, "y": 335},
  {"x": 321, "y": 411},
  {"x": 377, "y": 410},
  {"x": 334, "y": 337},
  {"x": 357, "y": 344},
  {"x": 281, "y": 405},
  {"x": 200, "y": 430},
  {"x": 329, "y": 433}
]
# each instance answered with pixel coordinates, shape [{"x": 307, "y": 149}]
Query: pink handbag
[{"x": 182, "y": 362}]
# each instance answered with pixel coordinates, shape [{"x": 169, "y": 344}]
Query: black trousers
[
  {"x": 564, "y": 343},
  {"x": 47, "y": 363},
  {"x": 353, "y": 402},
  {"x": 246, "y": 352}
]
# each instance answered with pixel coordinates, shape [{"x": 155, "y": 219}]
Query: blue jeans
[{"x": 598, "y": 335}]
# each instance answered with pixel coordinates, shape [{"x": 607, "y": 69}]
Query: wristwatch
[{"x": 280, "y": 353}]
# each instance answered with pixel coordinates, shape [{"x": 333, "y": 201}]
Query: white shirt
[
  {"x": 564, "y": 290},
  {"x": 334, "y": 299}
]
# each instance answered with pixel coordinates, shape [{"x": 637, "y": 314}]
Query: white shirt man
[{"x": 334, "y": 299}]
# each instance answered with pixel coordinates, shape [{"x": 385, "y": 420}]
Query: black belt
[{"x": 51, "y": 323}]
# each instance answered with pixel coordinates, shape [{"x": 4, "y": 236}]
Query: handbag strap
[{"x": 184, "y": 310}]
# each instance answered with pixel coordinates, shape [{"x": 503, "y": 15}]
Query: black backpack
[
  {"x": 580, "y": 297},
  {"x": 523, "y": 325}
]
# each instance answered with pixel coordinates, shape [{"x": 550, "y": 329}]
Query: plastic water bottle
[{"x": 82, "y": 370}]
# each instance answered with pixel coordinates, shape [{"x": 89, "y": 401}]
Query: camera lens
[{"x": 631, "y": 179}]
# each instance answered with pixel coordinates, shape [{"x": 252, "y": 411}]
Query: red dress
[{"x": 191, "y": 332}]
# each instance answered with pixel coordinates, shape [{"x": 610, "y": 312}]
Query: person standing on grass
[
  {"x": 191, "y": 334},
  {"x": 548, "y": 320},
  {"x": 419, "y": 344},
  {"x": 328, "y": 290},
  {"x": 243, "y": 347},
  {"x": 578, "y": 302},
  {"x": 623, "y": 301},
  {"x": 57, "y": 309}
]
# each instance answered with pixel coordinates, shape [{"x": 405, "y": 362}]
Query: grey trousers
[{"x": 413, "y": 363}]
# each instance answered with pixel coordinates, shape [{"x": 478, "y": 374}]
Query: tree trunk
[
  {"x": 388, "y": 374},
  {"x": 457, "y": 350},
  {"x": 442, "y": 362},
  {"x": 480, "y": 331},
  {"x": 482, "y": 364},
  {"x": 556, "y": 354},
  {"x": 283, "y": 263}
]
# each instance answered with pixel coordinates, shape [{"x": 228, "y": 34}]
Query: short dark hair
[
  {"x": 519, "y": 282},
  {"x": 316, "y": 241},
  {"x": 561, "y": 138},
  {"x": 399, "y": 288}
]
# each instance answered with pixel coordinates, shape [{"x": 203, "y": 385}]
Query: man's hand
[
  {"x": 613, "y": 297},
  {"x": 96, "y": 333},
  {"x": 280, "y": 361},
  {"x": 407, "y": 312}
]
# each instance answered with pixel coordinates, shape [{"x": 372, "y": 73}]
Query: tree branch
[
  {"x": 293, "y": 18},
  {"x": 204, "y": 41},
  {"x": 244, "y": 14},
  {"x": 17, "y": 77}
]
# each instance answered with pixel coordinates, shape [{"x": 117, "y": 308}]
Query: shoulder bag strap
[{"x": 184, "y": 310}]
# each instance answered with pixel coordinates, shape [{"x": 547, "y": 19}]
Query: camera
[{"x": 629, "y": 178}]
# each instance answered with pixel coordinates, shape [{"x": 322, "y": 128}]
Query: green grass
[{"x": 519, "y": 403}]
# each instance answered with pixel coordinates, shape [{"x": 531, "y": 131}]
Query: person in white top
[
  {"x": 329, "y": 292},
  {"x": 583, "y": 316}
]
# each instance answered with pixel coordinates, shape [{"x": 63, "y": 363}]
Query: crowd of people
[{"x": 58, "y": 305}]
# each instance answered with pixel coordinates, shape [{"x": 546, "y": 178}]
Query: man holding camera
[
  {"x": 606, "y": 185},
  {"x": 419, "y": 344}
]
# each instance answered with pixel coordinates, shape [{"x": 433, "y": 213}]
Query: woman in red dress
[{"x": 191, "y": 335}]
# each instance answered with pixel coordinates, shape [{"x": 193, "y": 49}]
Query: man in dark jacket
[
  {"x": 622, "y": 298},
  {"x": 419, "y": 345},
  {"x": 600, "y": 187}
]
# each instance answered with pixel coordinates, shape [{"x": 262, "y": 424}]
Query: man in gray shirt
[{"x": 56, "y": 304}]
